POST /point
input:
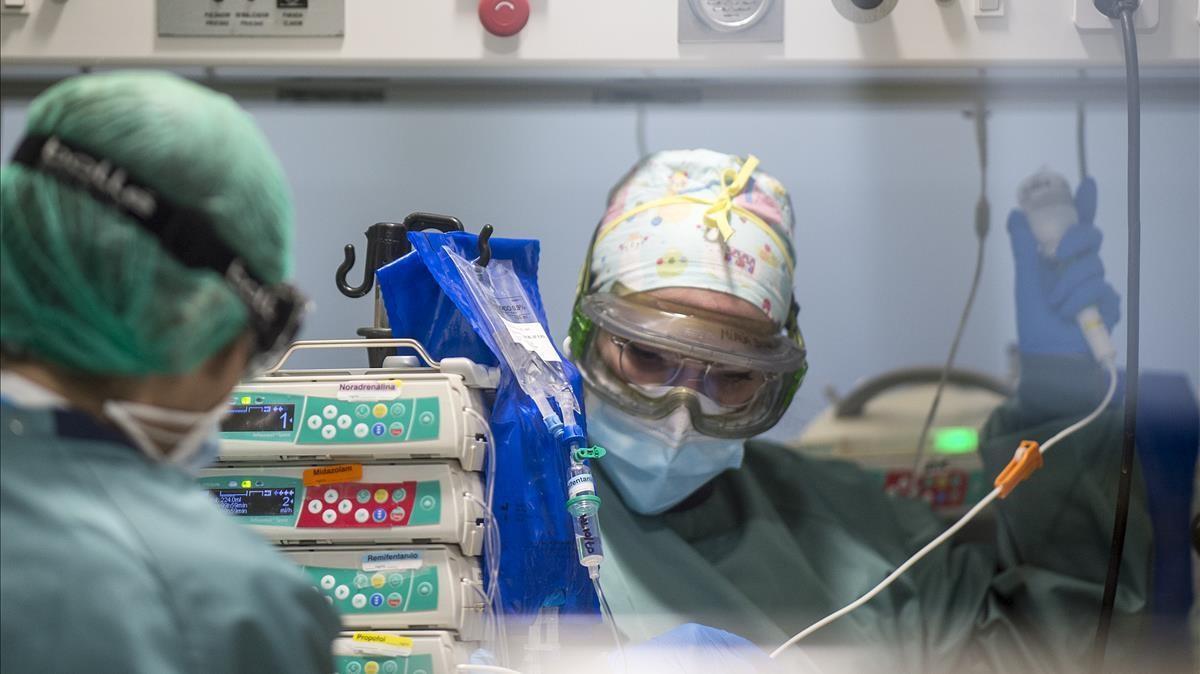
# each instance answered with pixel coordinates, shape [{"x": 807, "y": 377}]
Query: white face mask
[
  {"x": 188, "y": 439},
  {"x": 656, "y": 463}
]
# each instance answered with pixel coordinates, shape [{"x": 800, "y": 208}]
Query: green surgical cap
[{"x": 84, "y": 287}]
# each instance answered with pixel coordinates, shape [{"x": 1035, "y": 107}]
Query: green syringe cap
[{"x": 594, "y": 452}]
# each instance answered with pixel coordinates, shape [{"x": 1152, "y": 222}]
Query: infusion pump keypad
[
  {"x": 315, "y": 420},
  {"x": 358, "y": 664},
  {"x": 354, "y": 591},
  {"x": 283, "y": 501},
  {"x": 364, "y": 505}
]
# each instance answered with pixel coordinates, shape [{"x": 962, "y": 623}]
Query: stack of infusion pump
[{"x": 369, "y": 480}]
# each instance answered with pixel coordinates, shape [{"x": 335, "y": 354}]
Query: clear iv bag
[{"x": 523, "y": 342}]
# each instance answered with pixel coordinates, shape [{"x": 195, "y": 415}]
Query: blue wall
[{"x": 884, "y": 193}]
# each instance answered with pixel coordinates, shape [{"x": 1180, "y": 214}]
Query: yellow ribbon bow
[{"x": 732, "y": 184}]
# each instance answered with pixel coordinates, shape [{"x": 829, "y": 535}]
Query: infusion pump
[
  {"x": 396, "y": 652},
  {"x": 367, "y": 415},
  {"x": 368, "y": 480},
  {"x": 373, "y": 503}
]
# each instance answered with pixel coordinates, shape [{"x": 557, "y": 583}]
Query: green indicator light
[{"x": 955, "y": 440}]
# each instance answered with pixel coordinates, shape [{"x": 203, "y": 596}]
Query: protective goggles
[
  {"x": 187, "y": 234},
  {"x": 648, "y": 357}
]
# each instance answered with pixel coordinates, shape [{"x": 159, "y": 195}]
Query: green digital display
[
  {"x": 955, "y": 440},
  {"x": 317, "y": 420},
  {"x": 257, "y": 499}
]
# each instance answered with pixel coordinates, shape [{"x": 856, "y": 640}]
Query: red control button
[{"x": 503, "y": 18}]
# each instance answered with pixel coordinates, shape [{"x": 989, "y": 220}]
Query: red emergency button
[{"x": 503, "y": 17}]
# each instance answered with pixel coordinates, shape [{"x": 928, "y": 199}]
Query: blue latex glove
[
  {"x": 693, "y": 648},
  {"x": 1051, "y": 292}
]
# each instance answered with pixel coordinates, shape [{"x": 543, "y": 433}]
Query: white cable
[
  {"x": 983, "y": 503},
  {"x": 487, "y": 668}
]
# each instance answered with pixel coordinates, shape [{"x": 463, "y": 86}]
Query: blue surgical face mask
[{"x": 656, "y": 463}]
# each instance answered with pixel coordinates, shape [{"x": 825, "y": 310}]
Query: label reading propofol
[
  {"x": 533, "y": 337},
  {"x": 386, "y": 645},
  {"x": 392, "y": 560},
  {"x": 365, "y": 391},
  {"x": 586, "y": 538},
  {"x": 580, "y": 484}
]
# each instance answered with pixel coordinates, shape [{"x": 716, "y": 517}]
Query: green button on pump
[
  {"x": 363, "y": 495},
  {"x": 362, "y": 411},
  {"x": 398, "y": 409}
]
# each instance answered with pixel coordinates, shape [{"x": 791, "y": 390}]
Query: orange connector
[{"x": 1025, "y": 460}]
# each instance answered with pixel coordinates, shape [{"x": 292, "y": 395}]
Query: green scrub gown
[
  {"x": 110, "y": 562},
  {"x": 786, "y": 539}
]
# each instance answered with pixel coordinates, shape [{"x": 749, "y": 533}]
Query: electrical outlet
[
  {"x": 988, "y": 8},
  {"x": 1088, "y": 18}
]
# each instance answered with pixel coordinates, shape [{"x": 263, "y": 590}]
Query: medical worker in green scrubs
[
  {"x": 147, "y": 233},
  {"x": 686, "y": 332}
]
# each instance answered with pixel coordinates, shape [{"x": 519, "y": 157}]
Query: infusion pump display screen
[
  {"x": 259, "y": 418},
  {"x": 257, "y": 501}
]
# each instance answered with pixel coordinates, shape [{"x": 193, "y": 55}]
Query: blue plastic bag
[{"x": 426, "y": 300}]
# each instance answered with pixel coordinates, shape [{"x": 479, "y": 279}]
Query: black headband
[{"x": 186, "y": 233}]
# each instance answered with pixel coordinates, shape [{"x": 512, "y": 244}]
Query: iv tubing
[
  {"x": 983, "y": 503},
  {"x": 606, "y": 610},
  {"x": 493, "y": 532}
]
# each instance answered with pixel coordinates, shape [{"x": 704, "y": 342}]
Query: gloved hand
[
  {"x": 1050, "y": 292},
  {"x": 693, "y": 648}
]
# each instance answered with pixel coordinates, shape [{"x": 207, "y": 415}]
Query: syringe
[
  {"x": 582, "y": 502},
  {"x": 584, "y": 507}
]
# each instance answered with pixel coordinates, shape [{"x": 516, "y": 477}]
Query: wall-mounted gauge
[
  {"x": 730, "y": 15},
  {"x": 731, "y": 20}
]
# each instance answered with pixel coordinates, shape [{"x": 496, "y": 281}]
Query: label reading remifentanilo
[
  {"x": 579, "y": 484},
  {"x": 391, "y": 560}
]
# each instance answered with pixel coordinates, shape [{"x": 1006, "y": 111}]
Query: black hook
[
  {"x": 485, "y": 247},
  {"x": 386, "y": 241},
  {"x": 344, "y": 268}
]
